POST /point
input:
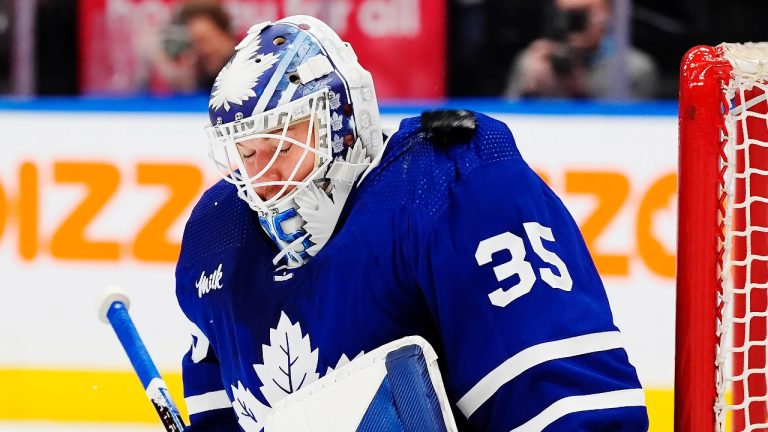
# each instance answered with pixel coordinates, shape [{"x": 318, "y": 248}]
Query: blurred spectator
[
  {"x": 210, "y": 36},
  {"x": 574, "y": 60},
  {"x": 481, "y": 35},
  {"x": 192, "y": 49}
]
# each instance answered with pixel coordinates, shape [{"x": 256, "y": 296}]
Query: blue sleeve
[
  {"x": 208, "y": 405},
  {"x": 528, "y": 339},
  {"x": 208, "y": 402}
]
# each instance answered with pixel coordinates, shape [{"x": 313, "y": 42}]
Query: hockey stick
[{"x": 114, "y": 311}]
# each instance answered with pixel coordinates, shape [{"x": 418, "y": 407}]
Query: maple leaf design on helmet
[{"x": 236, "y": 81}]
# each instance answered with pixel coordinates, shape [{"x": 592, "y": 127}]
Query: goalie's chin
[{"x": 268, "y": 192}]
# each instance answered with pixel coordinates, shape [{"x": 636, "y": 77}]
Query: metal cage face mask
[
  {"x": 283, "y": 77},
  {"x": 253, "y": 153}
]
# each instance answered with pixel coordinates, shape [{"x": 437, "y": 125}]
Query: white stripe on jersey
[
  {"x": 534, "y": 356},
  {"x": 207, "y": 402},
  {"x": 572, "y": 404}
]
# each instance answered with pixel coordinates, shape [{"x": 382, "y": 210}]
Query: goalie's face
[
  {"x": 272, "y": 155},
  {"x": 279, "y": 158}
]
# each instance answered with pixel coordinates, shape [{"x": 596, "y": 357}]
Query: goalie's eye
[{"x": 247, "y": 153}]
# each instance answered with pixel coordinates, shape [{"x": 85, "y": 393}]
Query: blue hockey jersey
[{"x": 461, "y": 244}]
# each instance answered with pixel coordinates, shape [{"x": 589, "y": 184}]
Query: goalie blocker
[{"x": 396, "y": 387}]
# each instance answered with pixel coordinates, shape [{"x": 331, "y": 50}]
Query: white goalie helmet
[{"x": 294, "y": 123}]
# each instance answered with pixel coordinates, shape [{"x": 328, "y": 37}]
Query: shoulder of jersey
[
  {"x": 463, "y": 138},
  {"x": 218, "y": 199},
  {"x": 450, "y": 131},
  {"x": 448, "y": 127},
  {"x": 428, "y": 154},
  {"x": 444, "y": 129},
  {"x": 219, "y": 220}
]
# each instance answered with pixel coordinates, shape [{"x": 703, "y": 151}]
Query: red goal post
[{"x": 722, "y": 264}]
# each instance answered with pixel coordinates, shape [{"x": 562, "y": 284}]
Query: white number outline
[
  {"x": 518, "y": 265},
  {"x": 535, "y": 233}
]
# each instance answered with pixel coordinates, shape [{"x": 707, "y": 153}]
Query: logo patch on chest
[
  {"x": 289, "y": 364},
  {"x": 208, "y": 283}
]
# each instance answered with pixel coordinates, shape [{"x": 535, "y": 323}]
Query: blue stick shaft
[{"x": 145, "y": 368}]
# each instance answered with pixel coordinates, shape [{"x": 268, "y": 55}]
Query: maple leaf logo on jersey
[
  {"x": 236, "y": 81},
  {"x": 289, "y": 361},
  {"x": 289, "y": 365},
  {"x": 251, "y": 413}
]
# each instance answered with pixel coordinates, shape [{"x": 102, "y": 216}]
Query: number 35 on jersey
[{"x": 520, "y": 266}]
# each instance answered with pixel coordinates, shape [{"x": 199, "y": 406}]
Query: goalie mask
[{"x": 294, "y": 123}]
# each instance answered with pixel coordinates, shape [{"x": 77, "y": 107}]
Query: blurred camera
[
  {"x": 563, "y": 23},
  {"x": 567, "y": 21},
  {"x": 174, "y": 40}
]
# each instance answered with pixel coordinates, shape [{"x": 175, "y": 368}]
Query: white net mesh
[{"x": 743, "y": 306}]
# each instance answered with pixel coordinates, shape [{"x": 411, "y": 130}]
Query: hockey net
[{"x": 722, "y": 294}]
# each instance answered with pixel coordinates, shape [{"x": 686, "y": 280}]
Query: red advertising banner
[{"x": 402, "y": 42}]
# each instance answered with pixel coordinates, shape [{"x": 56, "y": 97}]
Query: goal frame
[
  {"x": 701, "y": 78},
  {"x": 704, "y": 262}
]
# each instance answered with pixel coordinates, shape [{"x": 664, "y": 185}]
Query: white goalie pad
[{"x": 396, "y": 387}]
